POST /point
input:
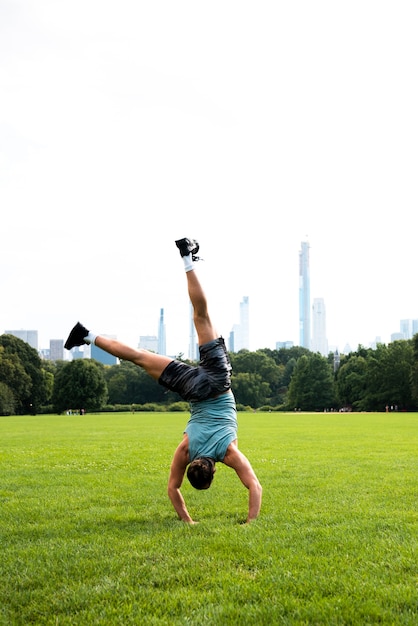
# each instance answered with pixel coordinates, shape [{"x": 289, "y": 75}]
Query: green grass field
[{"x": 88, "y": 535}]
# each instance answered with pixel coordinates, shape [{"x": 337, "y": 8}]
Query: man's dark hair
[{"x": 200, "y": 472}]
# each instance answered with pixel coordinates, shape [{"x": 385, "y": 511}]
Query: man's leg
[
  {"x": 204, "y": 328},
  {"x": 153, "y": 364}
]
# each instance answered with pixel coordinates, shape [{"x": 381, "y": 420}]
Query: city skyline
[
  {"x": 407, "y": 329},
  {"x": 312, "y": 327}
]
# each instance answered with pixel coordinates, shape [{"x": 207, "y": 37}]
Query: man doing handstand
[{"x": 211, "y": 432}]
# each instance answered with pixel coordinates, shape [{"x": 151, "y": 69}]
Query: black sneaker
[
  {"x": 188, "y": 246},
  {"x": 76, "y": 336}
]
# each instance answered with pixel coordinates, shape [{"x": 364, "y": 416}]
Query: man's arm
[
  {"x": 239, "y": 462},
  {"x": 178, "y": 467}
]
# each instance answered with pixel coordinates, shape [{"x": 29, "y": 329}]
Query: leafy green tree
[
  {"x": 129, "y": 384},
  {"x": 14, "y": 376},
  {"x": 49, "y": 384},
  {"x": 284, "y": 355},
  {"x": 351, "y": 381},
  {"x": 250, "y": 390},
  {"x": 79, "y": 384},
  {"x": 414, "y": 371},
  {"x": 33, "y": 390},
  {"x": 49, "y": 369},
  {"x": 254, "y": 362},
  {"x": 288, "y": 371},
  {"x": 399, "y": 368},
  {"x": 264, "y": 370},
  {"x": 117, "y": 385},
  {"x": 389, "y": 370},
  {"x": 7, "y": 400},
  {"x": 312, "y": 384}
]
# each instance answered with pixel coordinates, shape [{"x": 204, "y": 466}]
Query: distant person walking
[{"x": 211, "y": 432}]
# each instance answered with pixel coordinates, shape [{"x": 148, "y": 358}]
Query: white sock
[
  {"x": 91, "y": 338},
  {"x": 188, "y": 263}
]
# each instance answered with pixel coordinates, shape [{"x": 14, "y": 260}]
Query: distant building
[
  {"x": 336, "y": 361},
  {"x": 408, "y": 328},
  {"x": 148, "y": 342},
  {"x": 375, "y": 343},
  {"x": 56, "y": 350},
  {"x": 161, "y": 349},
  {"x": 231, "y": 341},
  {"x": 284, "y": 344},
  {"x": 100, "y": 355},
  {"x": 29, "y": 336},
  {"x": 396, "y": 336},
  {"x": 76, "y": 353},
  {"x": 244, "y": 313},
  {"x": 239, "y": 338},
  {"x": 319, "y": 331},
  {"x": 304, "y": 297}
]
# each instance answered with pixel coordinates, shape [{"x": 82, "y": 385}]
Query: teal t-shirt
[{"x": 212, "y": 427}]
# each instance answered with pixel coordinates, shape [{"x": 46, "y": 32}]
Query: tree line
[{"x": 368, "y": 379}]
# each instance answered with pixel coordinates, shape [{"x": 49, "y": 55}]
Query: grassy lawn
[{"x": 88, "y": 535}]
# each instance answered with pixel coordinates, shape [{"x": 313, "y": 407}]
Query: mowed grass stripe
[{"x": 88, "y": 535}]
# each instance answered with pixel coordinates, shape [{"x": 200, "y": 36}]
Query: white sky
[{"x": 250, "y": 126}]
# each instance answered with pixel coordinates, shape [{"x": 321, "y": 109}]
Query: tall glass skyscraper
[
  {"x": 161, "y": 334},
  {"x": 304, "y": 297},
  {"x": 319, "y": 327},
  {"x": 239, "y": 338}
]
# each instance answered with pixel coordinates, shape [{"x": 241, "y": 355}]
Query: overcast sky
[{"x": 251, "y": 126}]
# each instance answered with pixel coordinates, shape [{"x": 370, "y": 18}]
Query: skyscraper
[
  {"x": 409, "y": 328},
  {"x": 319, "y": 327},
  {"x": 239, "y": 338},
  {"x": 304, "y": 297},
  {"x": 56, "y": 349},
  {"x": 161, "y": 334},
  {"x": 406, "y": 328},
  {"x": 30, "y": 336}
]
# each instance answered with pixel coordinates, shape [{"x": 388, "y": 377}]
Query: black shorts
[{"x": 207, "y": 380}]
